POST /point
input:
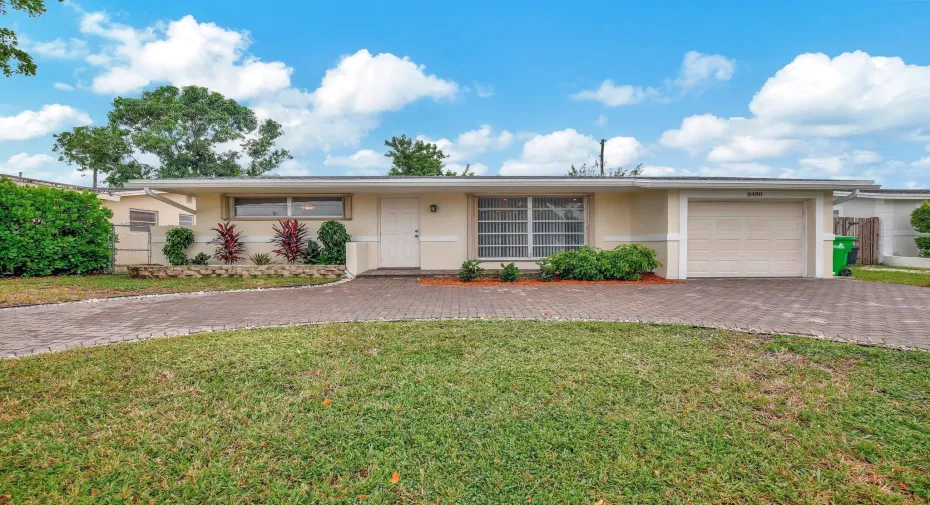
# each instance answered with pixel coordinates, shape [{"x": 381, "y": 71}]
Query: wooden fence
[{"x": 866, "y": 230}]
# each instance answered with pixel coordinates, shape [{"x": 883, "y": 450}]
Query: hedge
[{"x": 51, "y": 231}]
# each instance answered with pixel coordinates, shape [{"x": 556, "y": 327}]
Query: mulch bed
[{"x": 491, "y": 281}]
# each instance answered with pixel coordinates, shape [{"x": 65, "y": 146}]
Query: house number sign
[{"x": 753, "y": 193}]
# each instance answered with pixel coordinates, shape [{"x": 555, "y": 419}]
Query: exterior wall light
[{"x": 433, "y": 208}]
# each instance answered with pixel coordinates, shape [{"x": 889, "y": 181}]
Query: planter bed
[
  {"x": 243, "y": 271},
  {"x": 493, "y": 281}
]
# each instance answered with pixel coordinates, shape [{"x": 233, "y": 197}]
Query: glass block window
[{"x": 529, "y": 227}]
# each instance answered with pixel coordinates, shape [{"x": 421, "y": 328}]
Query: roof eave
[{"x": 439, "y": 182}]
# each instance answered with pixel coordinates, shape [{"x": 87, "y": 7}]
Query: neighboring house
[
  {"x": 130, "y": 206},
  {"x": 700, "y": 227},
  {"x": 893, "y": 209}
]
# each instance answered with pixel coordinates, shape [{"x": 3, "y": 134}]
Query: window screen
[
  {"x": 185, "y": 220},
  {"x": 529, "y": 227}
]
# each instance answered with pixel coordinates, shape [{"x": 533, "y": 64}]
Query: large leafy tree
[
  {"x": 416, "y": 157},
  {"x": 14, "y": 60},
  {"x": 100, "y": 149},
  {"x": 191, "y": 132}
]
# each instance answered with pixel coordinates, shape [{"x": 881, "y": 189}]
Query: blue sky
[{"x": 776, "y": 89}]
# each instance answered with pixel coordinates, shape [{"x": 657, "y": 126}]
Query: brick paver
[{"x": 870, "y": 313}]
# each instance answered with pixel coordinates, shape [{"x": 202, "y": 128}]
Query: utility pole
[{"x": 602, "y": 156}]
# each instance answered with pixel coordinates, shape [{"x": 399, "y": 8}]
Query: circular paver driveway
[{"x": 870, "y": 313}]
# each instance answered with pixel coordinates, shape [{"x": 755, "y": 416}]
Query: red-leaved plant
[
  {"x": 229, "y": 246},
  {"x": 291, "y": 239}
]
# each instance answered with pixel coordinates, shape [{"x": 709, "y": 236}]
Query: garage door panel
[{"x": 745, "y": 239}]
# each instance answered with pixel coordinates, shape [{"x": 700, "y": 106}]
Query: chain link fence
[{"x": 130, "y": 244}]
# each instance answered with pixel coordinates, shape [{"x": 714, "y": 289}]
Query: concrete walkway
[{"x": 869, "y": 313}]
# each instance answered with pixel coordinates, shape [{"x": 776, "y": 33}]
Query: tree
[
  {"x": 100, "y": 149},
  {"x": 418, "y": 158},
  {"x": 595, "y": 171},
  {"x": 14, "y": 60},
  {"x": 192, "y": 132}
]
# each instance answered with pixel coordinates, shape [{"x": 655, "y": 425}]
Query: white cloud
[
  {"x": 613, "y": 95},
  {"x": 747, "y": 148},
  {"x": 484, "y": 90},
  {"x": 913, "y": 185},
  {"x": 184, "y": 52},
  {"x": 365, "y": 84},
  {"x": 43, "y": 167},
  {"x": 51, "y": 118},
  {"x": 366, "y": 159},
  {"x": 853, "y": 93},
  {"x": 554, "y": 153},
  {"x": 659, "y": 171},
  {"x": 472, "y": 143},
  {"x": 601, "y": 121},
  {"x": 814, "y": 98},
  {"x": 922, "y": 163},
  {"x": 736, "y": 170},
  {"x": 698, "y": 68},
  {"x": 835, "y": 164},
  {"x": 861, "y": 157},
  {"x": 63, "y": 87},
  {"x": 58, "y": 48}
]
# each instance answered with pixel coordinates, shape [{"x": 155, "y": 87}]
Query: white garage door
[{"x": 743, "y": 239}]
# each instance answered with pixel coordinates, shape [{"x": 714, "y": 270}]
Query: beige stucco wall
[
  {"x": 167, "y": 215},
  {"x": 897, "y": 234}
]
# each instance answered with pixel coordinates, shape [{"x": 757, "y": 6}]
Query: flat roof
[
  {"x": 892, "y": 193},
  {"x": 268, "y": 184}
]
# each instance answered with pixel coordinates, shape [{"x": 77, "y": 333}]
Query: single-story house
[
  {"x": 893, "y": 209},
  {"x": 130, "y": 206},
  {"x": 699, "y": 226}
]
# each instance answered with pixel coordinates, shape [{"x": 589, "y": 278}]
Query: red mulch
[{"x": 490, "y": 281}]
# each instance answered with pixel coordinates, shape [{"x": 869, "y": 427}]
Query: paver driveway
[{"x": 871, "y": 313}]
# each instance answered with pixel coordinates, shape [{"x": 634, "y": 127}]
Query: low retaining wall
[
  {"x": 244, "y": 271},
  {"x": 906, "y": 261}
]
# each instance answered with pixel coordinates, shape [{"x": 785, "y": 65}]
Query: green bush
[
  {"x": 260, "y": 259},
  {"x": 625, "y": 262},
  {"x": 333, "y": 236},
  {"x": 200, "y": 259},
  {"x": 312, "y": 253},
  {"x": 51, "y": 231},
  {"x": 470, "y": 271},
  {"x": 509, "y": 273},
  {"x": 920, "y": 220},
  {"x": 177, "y": 240}
]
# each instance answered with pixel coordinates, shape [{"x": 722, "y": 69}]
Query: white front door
[{"x": 400, "y": 233}]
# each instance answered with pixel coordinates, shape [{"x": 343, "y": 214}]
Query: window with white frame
[
  {"x": 529, "y": 226},
  {"x": 185, "y": 220},
  {"x": 290, "y": 206}
]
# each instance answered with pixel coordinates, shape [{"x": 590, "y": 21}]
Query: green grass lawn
[
  {"x": 893, "y": 275},
  {"x": 29, "y": 290},
  {"x": 468, "y": 412}
]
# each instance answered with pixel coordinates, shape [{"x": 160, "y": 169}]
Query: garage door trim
[{"x": 744, "y": 196}]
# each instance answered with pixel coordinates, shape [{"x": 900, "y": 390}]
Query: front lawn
[
  {"x": 892, "y": 275},
  {"x": 468, "y": 412},
  {"x": 30, "y": 290}
]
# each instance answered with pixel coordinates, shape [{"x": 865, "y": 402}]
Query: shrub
[
  {"x": 920, "y": 220},
  {"x": 177, "y": 240},
  {"x": 200, "y": 259},
  {"x": 311, "y": 255},
  {"x": 509, "y": 273},
  {"x": 51, "y": 231},
  {"x": 290, "y": 239},
  {"x": 580, "y": 264},
  {"x": 333, "y": 236},
  {"x": 229, "y": 246},
  {"x": 470, "y": 271},
  {"x": 260, "y": 259},
  {"x": 625, "y": 262}
]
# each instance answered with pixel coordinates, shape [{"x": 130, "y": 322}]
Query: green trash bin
[{"x": 842, "y": 245}]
